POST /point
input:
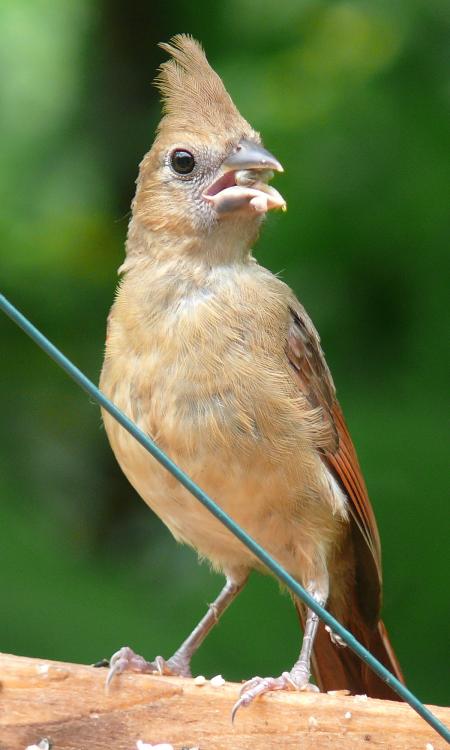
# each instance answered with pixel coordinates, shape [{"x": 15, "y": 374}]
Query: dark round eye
[{"x": 182, "y": 161}]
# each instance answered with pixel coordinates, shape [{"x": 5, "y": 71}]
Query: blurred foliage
[{"x": 351, "y": 97}]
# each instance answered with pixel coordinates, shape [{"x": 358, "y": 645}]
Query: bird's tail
[{"x": 336, "y": 668}]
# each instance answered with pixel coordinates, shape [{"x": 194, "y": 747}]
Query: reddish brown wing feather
[
  {"x": 341, "y": 668},
  {"x": 314, "y": 378}
]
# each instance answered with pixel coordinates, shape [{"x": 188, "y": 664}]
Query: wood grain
[{"x": 68, "y": 704}]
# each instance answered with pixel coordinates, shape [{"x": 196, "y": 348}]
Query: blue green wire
[{"x": 223, "y": 517}]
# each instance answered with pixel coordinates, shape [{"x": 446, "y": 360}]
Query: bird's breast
[{"x": 205, "y": 377}]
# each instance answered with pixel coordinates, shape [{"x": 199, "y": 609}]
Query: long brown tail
[{"x": 337, "y": 668}]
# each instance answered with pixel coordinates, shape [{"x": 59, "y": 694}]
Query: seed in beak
[{"x": 248, "y": 177}]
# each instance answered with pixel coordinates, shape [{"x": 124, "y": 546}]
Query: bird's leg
[
  {"x": 182, "y": 657},
  {"x": 298, "y": 677},
  {"x": 180, "y": 663},
  {"x": 301, "y": 671}
]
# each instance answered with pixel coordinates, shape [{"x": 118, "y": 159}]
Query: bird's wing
[
  {"x": 337, "y": 668},
  {"x": 314, "y": 379}
]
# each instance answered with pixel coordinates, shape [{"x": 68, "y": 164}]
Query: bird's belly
[{"x": 268, "y": 493}]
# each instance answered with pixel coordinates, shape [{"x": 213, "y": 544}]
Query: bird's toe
[
  {"x": 259, "y": 686},
  {"x": 126, "y": 660}
]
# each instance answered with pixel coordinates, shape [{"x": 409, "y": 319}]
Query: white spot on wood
[{"x": 217, "y": 681}]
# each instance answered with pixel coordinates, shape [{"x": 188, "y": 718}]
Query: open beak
[{"x": 242, "y": 184}]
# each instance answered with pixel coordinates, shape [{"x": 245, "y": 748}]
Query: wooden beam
[{"x": 68, "y": 704}]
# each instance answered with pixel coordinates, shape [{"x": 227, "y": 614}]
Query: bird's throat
[{"x": 227, "y": 242}]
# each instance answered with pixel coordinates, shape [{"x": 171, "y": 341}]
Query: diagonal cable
[{"x": 227, "y": 521}]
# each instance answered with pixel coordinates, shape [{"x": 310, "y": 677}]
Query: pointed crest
[{"x": 193, "y": 94}]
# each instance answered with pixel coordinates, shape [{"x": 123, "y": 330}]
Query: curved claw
[
  {"x": 115, "y": 668},
  {"x": 335, "y": 638},
  {"x": 259, "y": 685},
  {"x": 243, "y": 702},
  {"x": 248, "y": 684},
  {"x": 163, "y": 667},
  {"x": 125, "y": 659},
  {"x": 235, "y": 709}
]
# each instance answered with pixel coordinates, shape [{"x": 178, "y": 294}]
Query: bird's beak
[
  {"x": 251, "y": 155},
  {"x": 242, "y": 185}
]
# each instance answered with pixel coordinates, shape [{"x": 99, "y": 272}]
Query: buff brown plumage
[{"x": 214, "y": 357}]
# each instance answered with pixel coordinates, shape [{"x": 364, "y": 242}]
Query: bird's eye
[{"x": 182, "y": 161}]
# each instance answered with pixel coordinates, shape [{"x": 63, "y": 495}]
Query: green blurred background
[{"x": 351, "y": 98}]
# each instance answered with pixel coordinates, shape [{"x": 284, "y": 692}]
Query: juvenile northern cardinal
[{"x": 215, "y": 358}]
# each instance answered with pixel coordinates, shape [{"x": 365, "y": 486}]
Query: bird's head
[{"x": 207, "y": 170}]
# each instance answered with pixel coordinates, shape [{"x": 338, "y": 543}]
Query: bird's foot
[
  {"x": 126, "y": 660},
  {"x": 295, "y": 680},
  {"x": 335, "y": 638}
]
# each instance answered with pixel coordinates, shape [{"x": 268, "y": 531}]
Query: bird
[{"x": 213, "y": 356}]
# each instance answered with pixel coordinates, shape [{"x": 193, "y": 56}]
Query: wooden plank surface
[{"x": 68, "y": 704}]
